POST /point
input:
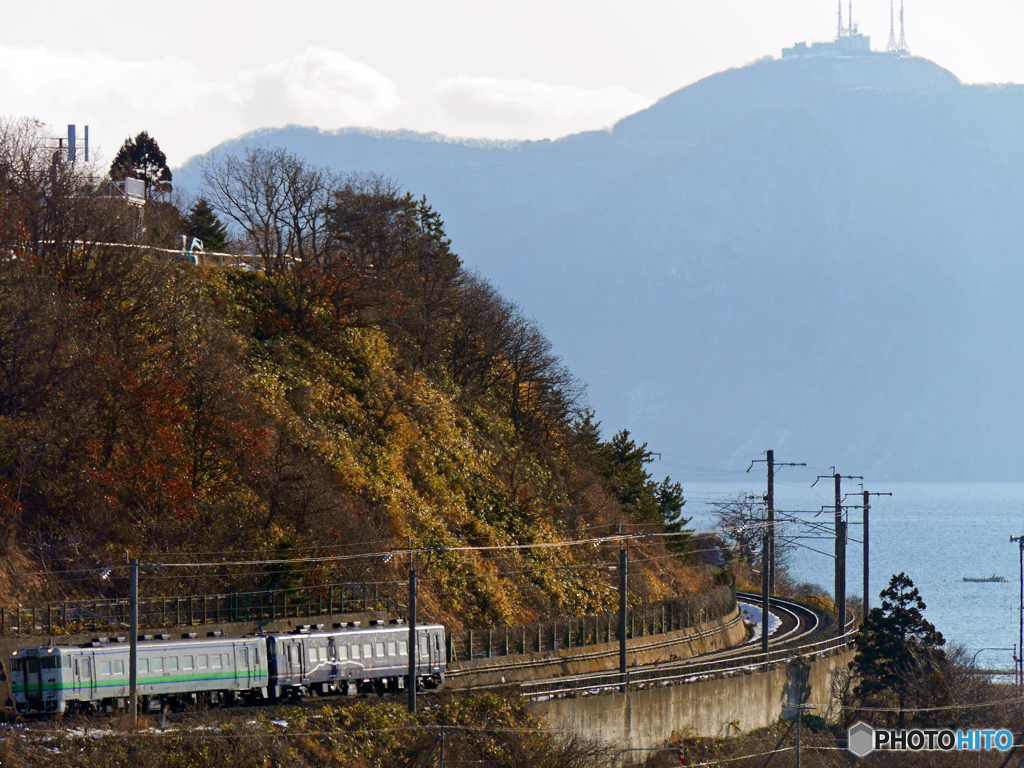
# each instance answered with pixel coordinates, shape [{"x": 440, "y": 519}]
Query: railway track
[{"x": 805, "y": 633}]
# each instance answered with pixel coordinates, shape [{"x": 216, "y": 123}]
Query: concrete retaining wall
[
  {"x": 651, "y": 718},
  {"x": 725, "y": 632}
]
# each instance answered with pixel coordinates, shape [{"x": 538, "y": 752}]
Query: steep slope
[{"x": 816, "y": 255}]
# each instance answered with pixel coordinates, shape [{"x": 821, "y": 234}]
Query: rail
[
  {"x": 70, "y": 616},
  {"x": 743, "y": 662},
  {"x": 589, "y": 631}
]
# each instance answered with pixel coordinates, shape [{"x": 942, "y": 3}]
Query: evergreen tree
[
  {"x": 203, "y": 223},
  {"x": 898, "y": 651},
  {"x": 622, "y": 463},
  {"x": 142, "y": 158}
]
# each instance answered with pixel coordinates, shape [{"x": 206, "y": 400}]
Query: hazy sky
[{"x": 195, "y": 73}]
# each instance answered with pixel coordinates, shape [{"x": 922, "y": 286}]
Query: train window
[
  {"x": 119, "y": 667},
  {"x": 67, "y": 662},
  {"x": 355, "y": 651},
  {"x": 158, "y": 665},
  {"x": 186, "y": 662},
  {"x": 331, "y": 653},
  {"x": 204, "y": 661},
  {"x": 367, "y": 651},
  {"x": 49, "y": 662},
  {"x": 342, "y": 652},
  {"x": 292, "y": 654},
  {"x": 104, "y": 668},
  {"x": 378, "y": 650},
  {"x": 256, "y": 657},
  {"x": 403, "y": 648},
  {"x": 437, "y": 645},
  {"x": 143, "y": 665},
  {"x": 33, "y": 666},
  {"x": 216, "y": 660},
  {"x": 424, "y": 648},
  {"x": 243, "y": 658},
  {"x": 86, "y": 668},
  {"x": 391, "y": 648},
  {"x": 172, "y": 663}
]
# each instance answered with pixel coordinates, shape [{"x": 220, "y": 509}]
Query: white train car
[
  {"x": 55, "y": 678},
  {"x": 347, "y": 660}
]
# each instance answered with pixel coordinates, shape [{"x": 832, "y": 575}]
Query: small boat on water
[{"x": 986, "y": 579}]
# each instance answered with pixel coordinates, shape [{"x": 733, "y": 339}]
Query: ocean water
[{"x": 936, "y": 533}]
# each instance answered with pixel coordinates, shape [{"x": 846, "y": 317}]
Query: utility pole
[
  {"x": 840, "y": 555},
  {"x": 133, "y": 647},
  {"x": 412, "y": 632},
  {"x": 623, "y": 576},
  {"x": 867, "y": 512},
  {"x": 768, "y": 559},
  {"x": 1020, "y": 654},
  {"x": 769, "y": 500},
  {"x": 840, "y": 593}
]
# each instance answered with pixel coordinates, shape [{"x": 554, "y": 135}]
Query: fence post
[
  {"x": 469, "y": 645},
  {"x": 490, "y": 638},
  {"x": 330, "y": 599},
  {"x": 506, "y": 641},
  {"x": 524, "y": 640}
]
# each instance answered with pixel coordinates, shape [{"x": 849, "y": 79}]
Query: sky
[{"x": 195, "y": 73}]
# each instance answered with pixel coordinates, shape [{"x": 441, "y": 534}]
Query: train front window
[{"x": 50, "y": 662}]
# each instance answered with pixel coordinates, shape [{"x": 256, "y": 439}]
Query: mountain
[{"x": 817, "y": 255}]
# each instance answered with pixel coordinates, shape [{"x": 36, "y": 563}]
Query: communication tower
[
  {"x": 902, "y": 47},
  {"x": 891, "y": 46}
]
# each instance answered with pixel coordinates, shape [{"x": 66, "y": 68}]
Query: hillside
[
  {"x": 813, "y": 255},
  {"x": 325, "y": 413}
]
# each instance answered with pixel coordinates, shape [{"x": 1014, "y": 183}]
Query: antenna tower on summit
[
  {"x": 891, "y": 46},
  {"x": 902, "y": 47}
]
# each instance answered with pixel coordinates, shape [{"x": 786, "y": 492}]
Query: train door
[
  {"x": 332, "y": 658},
  {"x": 243, "y": 666},
  {"x": 295, "y": 660},
  {"x": 33, "y": 682},
  {"x": 423, "y": 662},
  {"x": 76, "y": 676},
  {"x": 87, "y": 676}
]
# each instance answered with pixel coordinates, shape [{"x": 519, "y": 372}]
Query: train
[{"x": 221, "y": 671}]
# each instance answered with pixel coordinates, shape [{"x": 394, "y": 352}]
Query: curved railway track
[{"x": 805, "y": 633}]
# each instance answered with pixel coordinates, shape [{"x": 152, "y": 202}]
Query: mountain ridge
[{"x": 761, "y": 256}]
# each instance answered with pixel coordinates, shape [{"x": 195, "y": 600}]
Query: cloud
[
  {"x": 189, "y": 112},
  {"x": 507, "y": 106},
  {"x": 36, "y": 78},
  {"x": 319, "y": 87}
]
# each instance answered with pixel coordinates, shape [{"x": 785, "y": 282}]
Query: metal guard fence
[
  {"x": 582, "y": 631},
  {"x": 674, "y": 674},
  {"x": 69, "y": 617}
]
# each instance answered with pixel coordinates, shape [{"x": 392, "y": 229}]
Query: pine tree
[
  {"x": 898, "y": 650},
  {"x": 623, "y": 464},
  {"x": 142, "y": 158},
  {"x": 203, "y": 223}
]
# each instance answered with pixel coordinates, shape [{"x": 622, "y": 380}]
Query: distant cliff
[{"x": 817, "y": 255}]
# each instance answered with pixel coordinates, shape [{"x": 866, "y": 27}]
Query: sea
[{"x": 935, "y": 533}]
